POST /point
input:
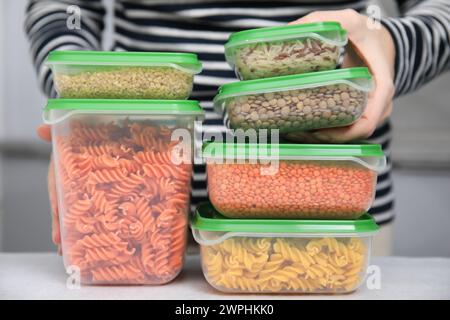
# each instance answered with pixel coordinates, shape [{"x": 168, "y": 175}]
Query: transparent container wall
[
  {"x": 299, "y": 110},
  {"x": 299, "y": 264},
  {"x": 300, "y": 189},
  {"x": 123, "y": 202},
  {"x": 122, "y": 82},
  {"x": 284, "y": 57}
]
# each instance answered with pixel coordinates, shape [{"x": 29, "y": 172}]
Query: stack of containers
[
  {"x": 289, "y": 217},
  {"x": 123, "y": 196}
]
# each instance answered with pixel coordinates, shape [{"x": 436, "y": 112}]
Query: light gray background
[{"x": 421, "y": 152}]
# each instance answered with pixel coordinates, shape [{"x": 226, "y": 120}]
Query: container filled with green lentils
[
  {"x": 296, "y": 103},
  {"x": 123, "y": 75}
]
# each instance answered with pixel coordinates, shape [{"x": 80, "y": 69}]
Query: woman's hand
[
  {"x": 370, "y": 46},
  {"x": 43, "y": 132}
]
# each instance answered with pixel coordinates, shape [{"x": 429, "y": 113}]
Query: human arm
[
  {"x": 422, "y": 42},
  {"x": 46, "y": 27},
  {"x": 403, "y": 54},
  {"x": 47, "y": 30}
]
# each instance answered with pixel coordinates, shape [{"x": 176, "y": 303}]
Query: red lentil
[{"x": 300, "y": 189}]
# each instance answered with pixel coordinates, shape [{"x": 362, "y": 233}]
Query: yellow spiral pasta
[{"x": 312, "y": 265}]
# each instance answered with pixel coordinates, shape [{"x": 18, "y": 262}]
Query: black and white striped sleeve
[
  {"x": 422, "y": 41},
  {"x": 46, "y": 26}
]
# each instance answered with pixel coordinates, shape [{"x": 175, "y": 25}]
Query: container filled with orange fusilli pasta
[
  {"x": 123, "y": 171},
  {"x": 292, "y": 181},
  {"x": 282, "y": 256}
]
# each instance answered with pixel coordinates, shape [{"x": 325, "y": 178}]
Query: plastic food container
[
  {"x": 298, "y": 102},
  {"x": 292, "y": 180},
  {"x": 284, "y": 50},
  {"x": 283, "y": 256},
  {"x": 123, "y": 75},
  {"x": 123, "y": 186}
]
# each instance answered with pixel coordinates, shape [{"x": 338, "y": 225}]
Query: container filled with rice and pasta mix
[
  {"x": 283, "y": 50},
  {"x": 293, "y": 181},
  {"x": 123, "y": 171},
  {"x": 283, "y": 256},
  {"x": 123, "y": 75},
  {"x": 296, "y": 103}
]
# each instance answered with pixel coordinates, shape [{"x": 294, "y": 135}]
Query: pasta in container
[
  {"x": 123, "y": 185},
  {"x": 283, "y": 256},
  {"x": 123, "y": 75},
  {"x": 284, "y": 50},
  {"x": 292, "y": 181}
]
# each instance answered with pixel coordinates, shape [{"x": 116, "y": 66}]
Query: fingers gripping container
[
  {"x": 123, "y": 75},
  {"x": 283, "y": 256},
  {"x": 285, "y": 50},
  {"x": 123, "y": 186},
  {"x": 292, "y": 180},
  {"x": 296, "y": 103}
]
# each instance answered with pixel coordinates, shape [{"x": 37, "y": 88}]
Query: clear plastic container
[
  {"x": 123, "y": 186},
  {"x": 284, "y": 50},
  {"x": 123, "y": 75},
  {"x": 283, "y": 256},
  {"x": 296, "y": 103},
  {"x": 292, "y": 181}
]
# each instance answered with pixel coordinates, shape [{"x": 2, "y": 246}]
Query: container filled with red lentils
[
  {"x": 292, "y": 181},
  {"x": 296, "y": 103}
]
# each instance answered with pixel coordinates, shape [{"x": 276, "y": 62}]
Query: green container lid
[
  {"x": 57, "y": 110},
  {"x": 206, "y": 218},
  {"x": 328, "y": 31},
  {"x": 297, "y": 81},
  {"x": 221, "y": 150},
  {"x": 370, "y": 156},
  {"x": 185, "y": 61}
]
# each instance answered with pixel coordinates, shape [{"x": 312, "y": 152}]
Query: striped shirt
[{"x": 421, "y": 38}]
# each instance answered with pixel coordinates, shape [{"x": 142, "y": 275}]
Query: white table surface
[{"x": 42, "y": 276}]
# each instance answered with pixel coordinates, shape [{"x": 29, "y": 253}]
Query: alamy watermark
[
  {"x": 73, "y": 281},
  {"x": 373, "y": 280},
  {"x": 264, "y": 150},
  {"x": 374, "y": 13},
  {"x": 73, "y": 21}
]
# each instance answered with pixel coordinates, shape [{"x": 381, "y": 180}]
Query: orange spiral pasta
[{"x": 123, "y": 202}]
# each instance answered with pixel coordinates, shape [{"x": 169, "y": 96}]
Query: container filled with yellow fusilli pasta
[
  {"x": 123, "y": 171},
  {"x": 283, "y": 256}
]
